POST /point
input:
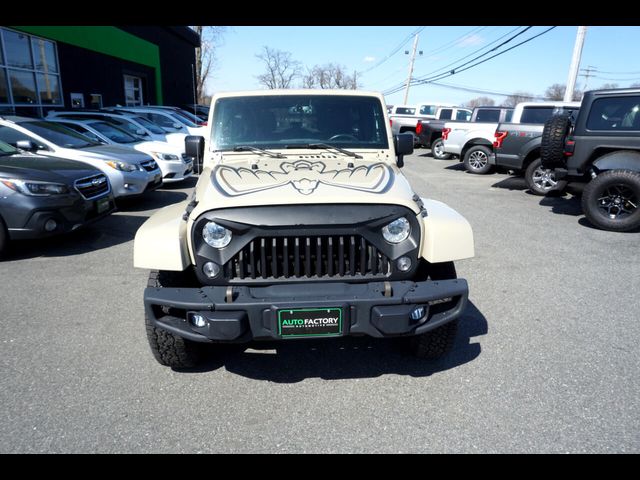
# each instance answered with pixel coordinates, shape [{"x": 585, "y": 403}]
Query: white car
[
  {"x": 133, "y": 123},
  {"x": 129, "y": 171},
  {"x": 170, "y": 120},
  {"x": 175, "y": 165}
]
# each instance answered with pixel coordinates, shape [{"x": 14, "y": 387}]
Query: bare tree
[
  {"x": 557, "y": 91},
  {"x": 281, "y": 68},
  {"x": 330, "y": 76},
  {"x": 479, "y": 102},
  {"x": 634, "y": 85},
  {"x": 607, "y": 86},
  {"x": 517, "y": 97},
  {"x": 210, "y": 39}
]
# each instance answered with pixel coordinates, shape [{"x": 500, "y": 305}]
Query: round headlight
[
  {"x": 216, "y": 235},
  {"x": 397, "y": 231}
]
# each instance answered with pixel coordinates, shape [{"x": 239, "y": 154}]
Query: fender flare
[
  {"x": 620, "y": 160},
  {"x": 161, "y": 242},
  {"x": 446, "y": 235}
]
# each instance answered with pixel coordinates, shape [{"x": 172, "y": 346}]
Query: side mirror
[
  {"x": 403, "y": 144},
  {"x": 141, "y": 133},
  {"x": 177, "y": 126},
  {"x": 194, "y": 147},
  {"x": 27, "y": 145}
]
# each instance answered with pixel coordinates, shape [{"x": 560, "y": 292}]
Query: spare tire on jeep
[{"x": 554, "y": 134}]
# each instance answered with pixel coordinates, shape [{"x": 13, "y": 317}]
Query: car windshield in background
[
  {"x": 281, "y": 121},
  {"x": 182, "y": 119},
  {"x": 6, "y": 149},
  {"x": 58, "y": 134},
  {"x": 152, "y": 127},
  {"x": 488, "y": 115},
  {"x": 114, "y": 133},
  {"x": 405, "y": 111}
]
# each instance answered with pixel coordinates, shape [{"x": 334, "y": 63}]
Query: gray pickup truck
[
  {"x": 430, "y": 131},
  {"x": 517, "y": 147}
]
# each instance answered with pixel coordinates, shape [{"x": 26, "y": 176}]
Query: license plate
[
  {"x": 102, "y": 205},
  {"x": 310, "y": 322}
]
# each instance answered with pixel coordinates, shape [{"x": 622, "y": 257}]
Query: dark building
[{"x": 44, "y": 67}]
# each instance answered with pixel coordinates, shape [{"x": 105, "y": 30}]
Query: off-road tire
[
  {"x": 167, "y": 348},
  {"x": 438, "y": 342},
  {"x": 476, "y": 160},
  {"x": 4, "y": 238},
  {"x": 536, "y": 184},
  {"x": 598, "y": 196},
  {"x": 554, "y": 134},
  {"x": 437, "y": 145}
]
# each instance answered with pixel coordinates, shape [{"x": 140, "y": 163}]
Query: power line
[
  {"x": 459, "y": 70},
  {"x": 395, "y": 50},
  {"x": 402, "y": 85}
]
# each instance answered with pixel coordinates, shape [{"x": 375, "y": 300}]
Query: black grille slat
[
  {"x": 263, "y": 258},
  {"x": 316, "y": 256},
  {"x": 88, "y": 190},
  {"x": 296, "y": 268},
  {"x": 352, "y": 255}
]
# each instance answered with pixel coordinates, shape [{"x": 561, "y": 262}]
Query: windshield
[
  {"x": 280, "y": 121},
  {"x": 114, "y": 133},
  {"x": 58, "y": 134},
  {"x": 182, "y": 119},
  {"x": 6, "y": 149},
  {"x": 152, "y": 127}
]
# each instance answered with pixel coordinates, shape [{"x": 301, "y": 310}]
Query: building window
[
  {"x": 29, "y": 71},
  {"x": 77, "y": 100},
  {"x": 96, "y": 100},
  {"x": 133, "y": 91}
]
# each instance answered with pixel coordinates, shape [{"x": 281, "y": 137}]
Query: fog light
[
  {"x": 197, "y": 320},
  {"x": 404, "y": 264},
  {"x": 417, "y": 313},
  {"x": 211, "y": 269},
  {"x": 50, "y": 225}
]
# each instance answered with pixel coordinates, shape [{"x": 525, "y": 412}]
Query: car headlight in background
[
  {"x": 36, "y": 188},
  {"x": 216, "y": 235},
  {"x": 397, "y": 231},
  {"x": 169, "y": 157},
  {"x": 123, "y": 167}
]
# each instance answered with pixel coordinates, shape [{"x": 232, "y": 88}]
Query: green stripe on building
[{"x": 107, "y": 40}]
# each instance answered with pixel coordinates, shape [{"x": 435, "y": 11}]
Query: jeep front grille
[
  {"x": 338, "y": 256},
  {"x": 92, "y": 187}
]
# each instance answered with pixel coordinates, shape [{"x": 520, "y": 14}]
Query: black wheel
[
  {"x": 554, "y": 134},
  {"x": 611, "y": 201},
  {"x": 476, "y": 160},
  {"x": 542, "y": 180},
  {"x": 167, "y": 348},
  {"x": 438, "y": 342},
  {"x": 437, "y": 150},
  {"x": 4, "y": 238}
]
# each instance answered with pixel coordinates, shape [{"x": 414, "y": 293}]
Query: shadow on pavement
[
  {"x": 568, "y": 205},
  {"x": 343, "y": 358},
  {"x": 105, "y": 233},
  {"x": 150, "y": 201}
]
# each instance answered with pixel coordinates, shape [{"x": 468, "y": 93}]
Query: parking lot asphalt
[{"x": 546, "y": 359}]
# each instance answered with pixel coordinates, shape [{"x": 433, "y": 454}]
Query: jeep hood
[{"x": 329, "y": 178}]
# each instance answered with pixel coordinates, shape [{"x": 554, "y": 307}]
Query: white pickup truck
[
  {"x": 404, "y": 118},
  {"x": 472, "y": 142}
]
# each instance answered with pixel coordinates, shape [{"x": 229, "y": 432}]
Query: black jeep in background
[{"x": 602, "y": 149}]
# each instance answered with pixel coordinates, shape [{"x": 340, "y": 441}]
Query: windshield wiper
[
  {"x": 324, "y": 146},
  {"x": 247, "y": 148}
]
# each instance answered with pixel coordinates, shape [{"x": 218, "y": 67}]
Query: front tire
[
  {"x": 542, "y": 180},
  {"x": 611, "y": 201},
  {"x": 437, "y": 342},
  {"x": 437, "y": 150},
  {"x": 476, "y": 160},
  {"x": 169, "y": 349}
]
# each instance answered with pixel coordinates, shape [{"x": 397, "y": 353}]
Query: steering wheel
[{"x": 343, "y": 136}]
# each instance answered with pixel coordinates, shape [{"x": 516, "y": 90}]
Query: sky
[{"x": 369, "y": 50}]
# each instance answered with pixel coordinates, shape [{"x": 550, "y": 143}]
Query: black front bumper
[{"x": 242, "y": 314}]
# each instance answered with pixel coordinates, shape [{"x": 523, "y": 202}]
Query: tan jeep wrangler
[{"x": 301, "y": 226}]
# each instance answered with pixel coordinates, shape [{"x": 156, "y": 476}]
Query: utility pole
[
  {"x": 413, "y": 58},
  {"x": 575, "y": 64},
  {"x": 586, "y": 75}
]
